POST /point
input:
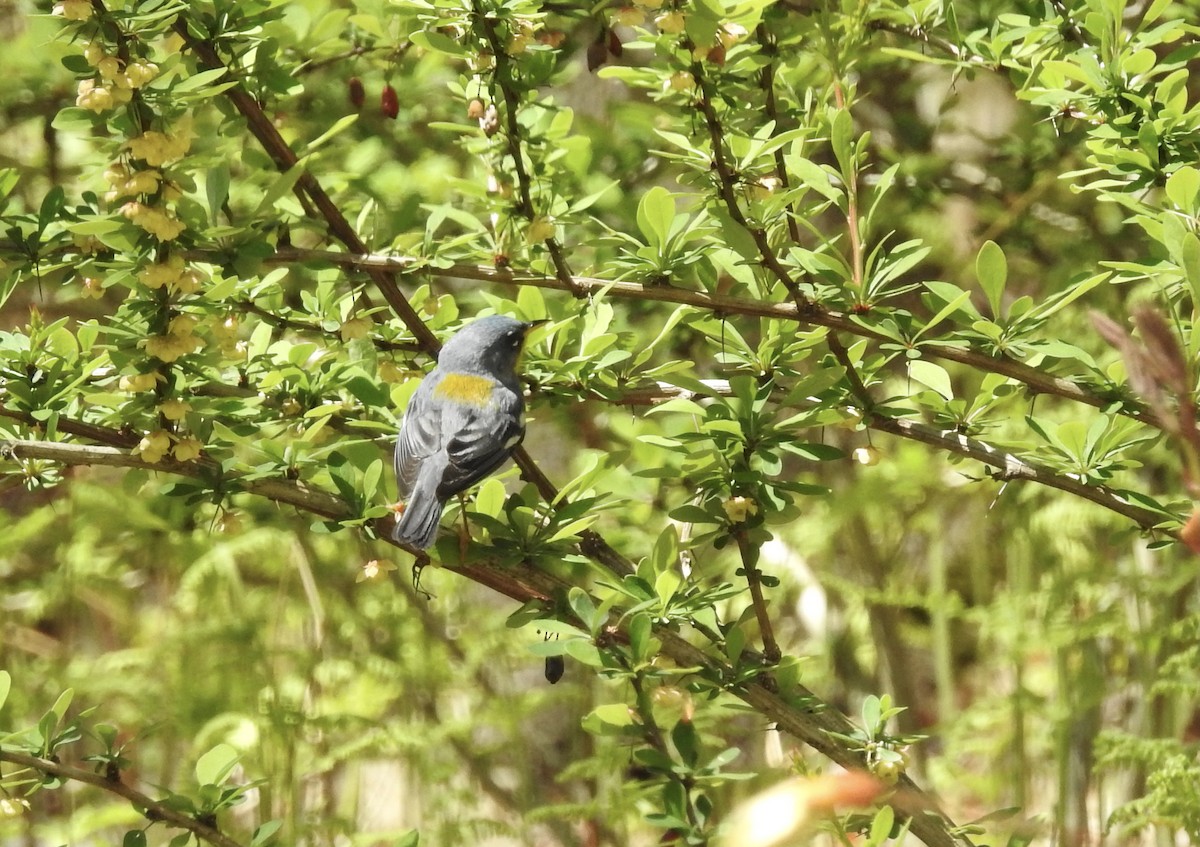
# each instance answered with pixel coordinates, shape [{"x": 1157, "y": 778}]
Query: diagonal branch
[
  {"x": 384, "y": 276},
  {"x": 285, "y": 159},
  {"x": 798, "y": 711},
  {"x": 151, "y": 808},
  {"x": 1010, "y": 466},
  {"x": 512, "y": 104},
  {"x": 727, "y": 179},
  {"x": 1034, "y": 379}
]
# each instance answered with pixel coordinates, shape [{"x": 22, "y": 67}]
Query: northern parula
[{"x": 462, "y": 423}]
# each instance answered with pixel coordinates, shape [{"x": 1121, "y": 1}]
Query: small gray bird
[{"x": 463, "y": 422}]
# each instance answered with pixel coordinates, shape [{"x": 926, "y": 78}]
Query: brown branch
[
  {"x": 769, "y": 48},
  {"x": 151, "y": 808},
  {"x": 749, "y": 552},
  {"x": 803, "y": 714},
  {"x": 285, "y": 159},
  {"x": 512, "y": 104},
  {"x": 1031, "y": 377},
  {"x": 1011, "y": 467},
  {"x": 80, "y": 429},
  {"x": 857, "y": 388},
  {"x": 727, "y": 179},
  {"x": 383, "y": 275}
]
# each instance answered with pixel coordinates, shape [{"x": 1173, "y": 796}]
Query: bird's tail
[{"x": 418, "y": 525}]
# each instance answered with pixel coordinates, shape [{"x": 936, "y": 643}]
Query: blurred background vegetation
[{"x": 1041, "y": 646}]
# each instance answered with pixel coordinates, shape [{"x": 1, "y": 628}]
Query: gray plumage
[{"x": 457, "y": 428}]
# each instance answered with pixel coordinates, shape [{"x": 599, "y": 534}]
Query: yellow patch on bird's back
[{"x": 465, "y": 388}]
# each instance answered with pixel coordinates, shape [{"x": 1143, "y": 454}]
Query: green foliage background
[{"x": 831, "y": 422}]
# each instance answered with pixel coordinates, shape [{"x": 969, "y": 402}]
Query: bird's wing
[
  {"x": 481, "y": 440},
  {"x": 420, "y": 437}
]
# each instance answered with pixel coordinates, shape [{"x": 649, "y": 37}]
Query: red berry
[
  {"x": 389, "y": 102},
  {"x": 614, "y": 44},
  {"x": 357, "y": 93}
]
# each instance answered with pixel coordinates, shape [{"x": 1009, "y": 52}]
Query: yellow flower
[
  {"x": 189, "y": 281},
  {"x": 680, "y": 81},
  {"x": 93, "y": 287},
  {"x": 163, "y": 273},
  {"x": 93, "y": 53},
  {"x": 137, "y": 382},
  {"x": 174, "y": 409},
  {"x": 183, "y": 325},
  {"x": 109, "y": 67},
  {"x": 142, "y": 182},
  {"x": 540, "y": 229},
  {"x": 355, "y": 328},
  {"x": 93, "y": 97},
  {"x": 73, "y": 10},
  {"x": 154, "y": 445},
  {"x": 739, "y": 508},
  {"x": 671, "y": 23},
  {"x": 139, "y": 73},
  {"x": 162, "y": 225},
  {"x": 188, "y": 449}
]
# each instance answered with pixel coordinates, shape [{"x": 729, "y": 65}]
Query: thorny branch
[
  {"x": 798, "y": 711},
  {"x": 151, "y": 808},
  {"x": 1036, "y": 380}
]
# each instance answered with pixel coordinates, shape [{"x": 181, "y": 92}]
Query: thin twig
[
  {"x": 148, "y": 806},
  {"x": 512, "y": 104},
  {"x": 1031, "y": 377},
  {"x": 857, "y": 388},
  {"x": 766, "y": 78},
  {"x": 797, "y": 711},
  {"x": 749, "y": 552},
  {"x": 727, "y": 180}
]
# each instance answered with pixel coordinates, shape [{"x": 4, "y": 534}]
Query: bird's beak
[{"x": 534, "y": 326}]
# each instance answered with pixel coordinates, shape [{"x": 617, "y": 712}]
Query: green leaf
[
  {"x": 1182, "y": 188},
  {"x": 584, "y": 608},
  {"x": 991, "y": 268},
  {"x": 655, "y": 214},
  {"x": 265, "y": 833},
  {"x": 5, "y": 687},
  {"x": 199, "y": 80},
  {"x": 947, "y": 310},
  {"x": 438, "y": 43},
  {"x": 215, "y": 766},
  {"x": 931, "y": 375},
  {"x": 338, "y": 127},
  {"x": 1189, "y": 254},
  {"x": 134, "y": 838},
  {"x": 59, "y": 709}
]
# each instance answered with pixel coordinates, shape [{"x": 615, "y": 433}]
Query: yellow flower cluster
[
  {"x": 154, "y": 446},
  {"x": 99, "y": 98},
  {"x": 161, "y": 224},
  {"x": 179, "y": 340},
  {"x": 127, "y": 183},
  {"x": 225, "y": 333},
  {"x": 173, "y": 274},
  {"x": 117, "y": 80},
  {"x": 93, "y": 287},
  {"x": 157, "y": 148},
  {"x": 73, "y": 10},
  {"x": 137, "y": 383}
]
